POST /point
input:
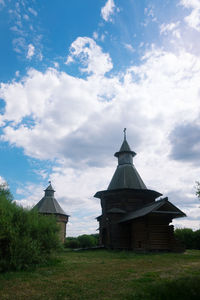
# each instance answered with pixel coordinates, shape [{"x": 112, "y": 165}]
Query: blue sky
[{"x": 73, "y": 74}]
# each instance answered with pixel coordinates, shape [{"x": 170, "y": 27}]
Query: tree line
[
  {"x": 82, "y": 241},
  {"x": 188, "y": 237}
]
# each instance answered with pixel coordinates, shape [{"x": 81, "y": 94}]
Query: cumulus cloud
[
  {"x": 108, "y": 10},
  {"x": 185, "y": 141},
  {"x": 193, "y": 19},
  {"x": 79, "y": 122},
  {"x": 90, "y": 55}
]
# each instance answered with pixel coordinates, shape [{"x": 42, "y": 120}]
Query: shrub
[
  {"x": 72, "y": 242},
  {"x": 82, "y": 241},
  {"x": 197, "y": 239},
  {"x": 87, "y": 241},
  {"x": 190, "y": 238},
  {"x": 26, "y": 238}
]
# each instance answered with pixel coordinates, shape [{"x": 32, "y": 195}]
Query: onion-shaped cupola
[{"x": 126, "y": 175}]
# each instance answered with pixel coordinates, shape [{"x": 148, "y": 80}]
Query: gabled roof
[{"x": 154, "y": 207}]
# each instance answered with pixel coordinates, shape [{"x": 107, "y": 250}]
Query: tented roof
[
  {"x": 48, "y": 204},
  {"x": 126, "y": 176}
]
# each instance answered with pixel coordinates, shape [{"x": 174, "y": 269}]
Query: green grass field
[{"x": 105, "y": 274}]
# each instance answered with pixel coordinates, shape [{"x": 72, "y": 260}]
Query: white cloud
[
  {"x": 79, "y": 122},
  {"x": 129, "y": 47},
  {"x": 2, "y": 181},
  {"x": 31, "y": 51},
  {"x": 25, "y": 33},
  {"x": 149, "y": 11},
  {"x": 193, "y": 19},
  {"x": 56, "y": 64},
  {"x": 26, "y": 17},
  {"x": 90, "y": 55},
  {"x": 95, "y": 35},
  {"x": 108, "y": 10},
  {"x": 2, "y": 2},
  {"x": 19, "y": 44},
  {"x": 32, "y": 11},
  {"x": 102, "y": 38},
  {"x": 171, "y": 27}
]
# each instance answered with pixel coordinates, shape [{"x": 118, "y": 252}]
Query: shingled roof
[
  {"x": 155, "y": 207},
  {"x": 48, "y": 204},
  {"x": 126, "y": 175}
]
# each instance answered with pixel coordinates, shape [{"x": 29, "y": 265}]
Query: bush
[
  {"x": 71, "y": 242},
  {"x": 197, "y": 239},
  {"x": 87, "y": 241},
  {"x": 190, "y": 238},
  {"x": 26, "y": 238},
  {"x": 82, "y": 241}
]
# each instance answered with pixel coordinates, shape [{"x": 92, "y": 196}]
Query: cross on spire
[{"x": 124, "y": 133}]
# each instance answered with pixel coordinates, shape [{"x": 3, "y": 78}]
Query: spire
[
  {"x": 126, "y": 176},
  {"x": 125, "y": 149},
  {"x": 49, "y": 191}
]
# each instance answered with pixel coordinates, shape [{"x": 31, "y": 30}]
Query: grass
[{"x": 107, "y": 275}]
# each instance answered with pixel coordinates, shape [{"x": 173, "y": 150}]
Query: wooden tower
[
  {"x": 48, "y": 205},
  {"x": 131, "y": 217}
]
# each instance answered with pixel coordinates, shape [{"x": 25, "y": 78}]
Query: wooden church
[
  {"x": 131, "y": 217},
  {"x": 48, "y": 205}
]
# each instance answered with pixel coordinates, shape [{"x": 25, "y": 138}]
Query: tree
[
  {"x": 26, "y": 237},
  {"x": 5, "y": 192},
  {"x": 82, "y": 241},
  {"x": 198, "y": 189}
]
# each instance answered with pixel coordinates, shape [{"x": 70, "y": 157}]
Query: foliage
[
  {"x": 82, "y": 241},
  {"x": 198, "y": 189},
  {"x": 190, "y": 238},
  {"x": 5, "y": 192},
  {"x": 26, "y": 238},
  {"x": 72, "y": 242}
]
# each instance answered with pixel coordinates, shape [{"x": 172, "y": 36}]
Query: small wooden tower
[
  {"x": 48, "y": 205},
  {"x": 131, "y": 217}
]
